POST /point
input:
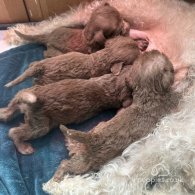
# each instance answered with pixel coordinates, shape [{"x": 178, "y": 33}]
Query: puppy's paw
[
  {"x": 62, "y": 169},
  {"x": 25, "y": 148},
  {"x": 5, "y": 114},
  {"x": 142, "y": 44}
]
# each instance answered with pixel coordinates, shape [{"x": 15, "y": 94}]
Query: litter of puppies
[{"x": 71, "y": 87}]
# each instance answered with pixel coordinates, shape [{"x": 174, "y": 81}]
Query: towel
[{"x": 25, "y": 174}]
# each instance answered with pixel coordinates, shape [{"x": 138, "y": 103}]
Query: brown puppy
[
  {"x": 118, "y": 51},
  {"x": 64, "y": 102},
  {"x": 60, "y": 41},
  {"x": 105, "y": 22},
  {"x": 152, "y": 76}
]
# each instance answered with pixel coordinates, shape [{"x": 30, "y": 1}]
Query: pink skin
[
  {"x": 137, "y": 35},
  {"x": 180, "y": 69}
]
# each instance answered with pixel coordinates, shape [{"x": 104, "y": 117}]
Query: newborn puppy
[
  {"x": 105, "y": 22},
  {"x": 61, "y": 40},
  {"x": 118, "y": 51},
  {"x": 64, "y": 102},
  {"x": 151, "y": 78}
]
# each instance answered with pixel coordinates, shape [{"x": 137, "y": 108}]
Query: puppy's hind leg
[
  {"x": 9, "y": 112},
  {"x": 6, "y": 114},
  {"x": 17, "y": 134},
  {"x": 78, "y": 164},
  {"x": 36, "y": 126},
  {"x": 21, "y": 97}
]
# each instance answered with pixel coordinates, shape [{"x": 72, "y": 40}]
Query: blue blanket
[{"x": 20, "y": 174}]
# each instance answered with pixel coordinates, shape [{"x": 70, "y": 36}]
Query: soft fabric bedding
[{"x": 19, "y": 174}]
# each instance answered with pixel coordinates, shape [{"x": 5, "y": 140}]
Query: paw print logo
[{"x": 160, "y": 170}]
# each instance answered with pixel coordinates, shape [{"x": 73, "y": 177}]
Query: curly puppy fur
[
  {"x": 152, "y": 76},
  {"x": 105, "y": 22},
  {"x": 64, "y": 102},
  {"x": 168, "y": 25},
  {"x": 60, "y": 41},
  {"x": 162, "y": 163},
  {"x": 118, "y": 51}
]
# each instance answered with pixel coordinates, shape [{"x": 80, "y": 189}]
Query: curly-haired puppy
[
  {"x": 151, "y": 78},
  {"x": 118, "y": 51},
  {"x": 64, "y": 102},
  {"x": 105, "y": 22}
]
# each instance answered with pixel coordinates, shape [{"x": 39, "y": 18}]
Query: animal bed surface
[{"x": 19, "y": 174}]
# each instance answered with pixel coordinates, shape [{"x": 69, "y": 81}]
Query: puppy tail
[
  {"x": 28, "y": 73},
  {"x": 26, "y": 98},
  {"x": 32, "y": 38},
  {"x": 75, "y": 135}
]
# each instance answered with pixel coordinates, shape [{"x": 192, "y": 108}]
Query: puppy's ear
[
  {"x": 116, "y": 68},
  {"x": 164, "y": 82},
  {"x": 168, "y": 79},
  {"x": 125, "y": 28}
]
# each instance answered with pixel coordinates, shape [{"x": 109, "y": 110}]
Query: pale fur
[
  {"x": 169, "y": 24},
  {"x": 169, "y": 152},
  {"x": 29, "y": 98}
]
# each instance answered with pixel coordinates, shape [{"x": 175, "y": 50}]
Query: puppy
[
  {"x": 118, "y": 51},
  {"x": 151, "y": 78},
  {"x": 64, "y": 102},
  {"x": 105, "y": 22},
  {"x": 158, "y": 20}
]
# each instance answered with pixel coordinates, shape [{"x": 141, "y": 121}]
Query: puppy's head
[
  {"x": 122, "y": 49},
  {"x": 153, "y": 70},
  {"x": 105, "y": 22}
]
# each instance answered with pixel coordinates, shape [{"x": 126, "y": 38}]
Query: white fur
[
  {"x": 168, "y": 153},
  {"x": 28, "y": 97}
]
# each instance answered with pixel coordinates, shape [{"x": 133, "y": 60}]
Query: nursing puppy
[
  {"x": 105, "y": 22},
  {"x": 151, "y": 79},
  {"x": 61, "y": 40},
  {"x": 64, "y": 102},
  {"x": 118, "y": 51},
  {"x": 168, "y": 25}
]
